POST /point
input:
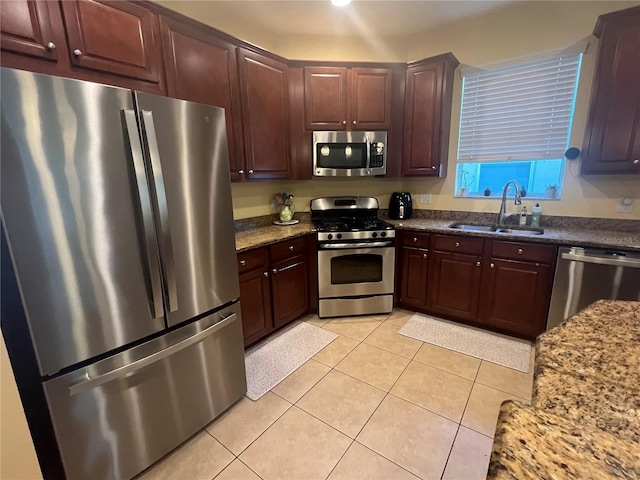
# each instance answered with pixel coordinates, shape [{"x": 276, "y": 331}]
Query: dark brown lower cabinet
[
  {"x": 515, "y": 296},
  {"x": 500, "y": 284},
  {"x": 454, "y": 284},
  {"x": 275, "y": 287},
  {"x": 290, "y": 287},
  {"x": 413, "y": 284}
]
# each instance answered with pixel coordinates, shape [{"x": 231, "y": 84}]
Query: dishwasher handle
[{"x": 602, "y": 260}]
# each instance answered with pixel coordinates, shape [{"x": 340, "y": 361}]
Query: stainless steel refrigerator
[{"x": 116, "y": 207}]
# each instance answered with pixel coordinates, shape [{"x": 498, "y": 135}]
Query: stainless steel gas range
[{"x": 356, "y": 257}]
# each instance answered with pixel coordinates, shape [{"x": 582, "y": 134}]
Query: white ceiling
[{"x": 314, "y": 17}]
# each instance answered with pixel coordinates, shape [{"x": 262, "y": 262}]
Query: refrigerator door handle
[
  {"x": 166, "y": 249},
  {"x": 88, "y": 383},
  {"x": 157, "y": 309}
]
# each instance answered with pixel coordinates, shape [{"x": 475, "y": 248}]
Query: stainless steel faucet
[{"x": 503, "y": 206}]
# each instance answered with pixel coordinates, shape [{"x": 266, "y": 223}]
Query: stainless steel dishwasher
[{"x": 586, "y": 275}]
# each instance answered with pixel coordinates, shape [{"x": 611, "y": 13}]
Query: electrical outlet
[
  {"x": 625, "y": 205},
  {"x": 425, "y": 198}
]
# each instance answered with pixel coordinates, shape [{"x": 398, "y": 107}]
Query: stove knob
[
  {"x": 383, "y": 234},
  {"x": 374, "y": 234},
  {"x": 339, "y": 236},
  {"x": 329, "y": 236}
]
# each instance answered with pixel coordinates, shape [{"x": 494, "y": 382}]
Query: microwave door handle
[
  {"x": 144, "y": 196},
  {"x": 166, "y": 244}
]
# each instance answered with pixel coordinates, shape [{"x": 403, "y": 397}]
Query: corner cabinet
[
  {"x": 427, "y": 116},
  {"x": 347, "y": 98},
  {"x": 265, "y": 114},
  {"x": 612, "y": 139}
]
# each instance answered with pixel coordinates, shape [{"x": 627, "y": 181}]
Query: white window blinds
[{"x": 521, "y": 112}]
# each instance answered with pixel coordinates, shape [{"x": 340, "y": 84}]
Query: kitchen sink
[
  {"x": 473, "y": 227},
  {"x": 493, "y": 228}
]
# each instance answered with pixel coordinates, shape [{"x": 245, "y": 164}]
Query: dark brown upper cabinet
[
  {"x": 121, "y": 38},
  {"x": 427, "y": 116},
  {"x": 27, "y": 28},
  {"x": 265, "y": 115},
  {"x": 341, "y": 98},
  {"x": 201, "y": 67},
  {"x": 612, "y": 138}
]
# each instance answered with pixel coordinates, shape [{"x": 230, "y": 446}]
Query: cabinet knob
[
  {"x": 274, "y": 270},
  {"x": 291, "y": 247},
  {"x": 492, "y": 266},
  {"x": 250, "y": 171},
  {"x": 636, "y": 161},
  {"x": 415, "y": 239},
  {"x": 424, "y": 255},
  {"x": 457, "y": 244},
  {"x": 354, "y": 122},
  {"x": 241, "y": 172},
  {"x": 344, "y": 122},
  {"x": 266, "y": 274},
  {"x": 477, "y": 264},
  {"x": 519, "y": 251},
  {"x": 243, "y": 262},
  {"x": 433, "y": 167},
  {"x": 77, "y": 52},
  {"x": 51, "y": 46}
]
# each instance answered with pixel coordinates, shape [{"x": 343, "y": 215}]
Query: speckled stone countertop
[
  {"x": 556, "y": 235},
  {"x": 584, "y": 421},
  {"x": 534, "y": 444},
  {"x": 266, "y": 235}
]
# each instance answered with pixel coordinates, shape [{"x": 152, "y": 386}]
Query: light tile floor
[{"x": 373, "y": 404}]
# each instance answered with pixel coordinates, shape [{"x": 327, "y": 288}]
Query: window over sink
[{"x": 515, "y": 123}]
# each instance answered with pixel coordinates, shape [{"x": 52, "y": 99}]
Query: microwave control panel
[{"x": 377, "y": 155}]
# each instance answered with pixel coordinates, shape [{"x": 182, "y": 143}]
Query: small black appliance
[{"x": 400, "y": 206}]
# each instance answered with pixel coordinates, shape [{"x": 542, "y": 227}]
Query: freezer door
[
  {"x": 115, "y": 418},
  {"x": 77, "y": 216},
  {"x": 186, "y": 149}
]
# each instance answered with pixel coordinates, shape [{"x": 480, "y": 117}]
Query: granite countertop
[
  {"x": 533, "y": 444},
  {"x": 584, "y": 421},
  {"x": 556, "y": 235},
  {"x": 266, "y": 235}
]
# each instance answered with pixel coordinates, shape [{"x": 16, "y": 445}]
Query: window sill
[{"x": 510, "y": 196}]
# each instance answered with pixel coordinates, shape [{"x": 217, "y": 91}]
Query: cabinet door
[
  {"x": 370, "y": 99},
  {"x": 290, "y": 287},
  {"x": 201, "y": 67},
  {"x": 26, "y": 28},
  {"x": 612, "y": 141},
  {"x": 428, "y": 97},
  {"x": 515, "y": 296},
  {"x": 413, "y": 284},
  {"x": 454, "y": 284},
  {"x": 255, "y": 302},
  {"x": 265, "y": 115},
  {"x": 121, "y": 38},
  {"x": 325, "y": 98}
]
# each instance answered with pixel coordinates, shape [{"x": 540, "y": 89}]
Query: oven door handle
[{"x": 356, "y": 245}]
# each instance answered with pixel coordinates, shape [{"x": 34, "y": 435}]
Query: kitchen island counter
[{"x": 584, "y": 421}]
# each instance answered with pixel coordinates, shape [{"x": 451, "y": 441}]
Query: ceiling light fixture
[{"x": 340, "y": 3}]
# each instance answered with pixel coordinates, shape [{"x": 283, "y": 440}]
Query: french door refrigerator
[{"x": 118, "y": 232}]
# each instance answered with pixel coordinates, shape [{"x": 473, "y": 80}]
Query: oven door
[{"x": 348, "y": 271}]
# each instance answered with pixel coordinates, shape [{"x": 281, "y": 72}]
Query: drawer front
[
  {"x": 288, "y": 249},
  {"x": 458, "y": 244},
  {"x": 412, "y": 239},
  {"x": 252, "y": 259},
  {"x": 523, "y": 251}
]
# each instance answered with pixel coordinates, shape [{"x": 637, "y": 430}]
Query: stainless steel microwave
[{"x": 349, "y": 154}]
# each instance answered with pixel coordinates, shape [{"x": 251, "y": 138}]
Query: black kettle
[{"x": 400, "y": 206}]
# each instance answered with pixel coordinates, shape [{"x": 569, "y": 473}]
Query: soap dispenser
[{"x": 536, "y": 214}]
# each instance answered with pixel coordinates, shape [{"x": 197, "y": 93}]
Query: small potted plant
[
  {"x": 523, "y": 192},
  {"x": 551, "y": 191},
  {"x": 466, "y": 181},
  {"x": 487, "y": 192}
]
